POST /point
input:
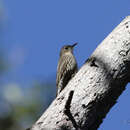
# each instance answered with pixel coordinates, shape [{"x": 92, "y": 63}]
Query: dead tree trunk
[{"x": 89, "y": 96}]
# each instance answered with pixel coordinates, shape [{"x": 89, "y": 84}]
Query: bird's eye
[{"x": 66, "y": 48}]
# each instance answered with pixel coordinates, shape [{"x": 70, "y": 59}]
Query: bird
[{"x": 66, "y": 68}]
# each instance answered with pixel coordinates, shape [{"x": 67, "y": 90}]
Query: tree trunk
[{"x": 89, "y": 96}]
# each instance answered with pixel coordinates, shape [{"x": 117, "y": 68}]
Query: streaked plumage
[{"x": 67, "y": 67}]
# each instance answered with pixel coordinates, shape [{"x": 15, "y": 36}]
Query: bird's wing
[{"x": 61, "y": 69}]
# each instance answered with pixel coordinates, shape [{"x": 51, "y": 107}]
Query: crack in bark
[
  {"x": 92, "y": 61},
  {"x": 68, "y": 112}
]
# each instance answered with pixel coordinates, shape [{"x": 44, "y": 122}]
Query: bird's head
[{"x": 67, "y": 49}]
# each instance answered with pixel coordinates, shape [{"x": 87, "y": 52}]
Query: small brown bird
[{"x": 67, "y": 67}]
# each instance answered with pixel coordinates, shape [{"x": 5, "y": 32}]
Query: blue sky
[{"x": 35, "y": 30}]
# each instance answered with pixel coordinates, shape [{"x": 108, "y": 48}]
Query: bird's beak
[{"x": 74, "y": 45}]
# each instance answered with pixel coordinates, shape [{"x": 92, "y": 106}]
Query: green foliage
[
  {"x": 27, "y": 110},
  {"x": 3, "y": 63},
  {"x": 21, "y": 107}
]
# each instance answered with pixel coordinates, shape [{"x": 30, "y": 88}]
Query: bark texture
[{"x": 89, "y": 96}]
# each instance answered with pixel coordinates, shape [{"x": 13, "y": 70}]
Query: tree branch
[{"x": 96, "y": 86}]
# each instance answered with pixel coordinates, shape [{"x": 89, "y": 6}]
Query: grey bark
[{"x": 89, "y": 96}]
